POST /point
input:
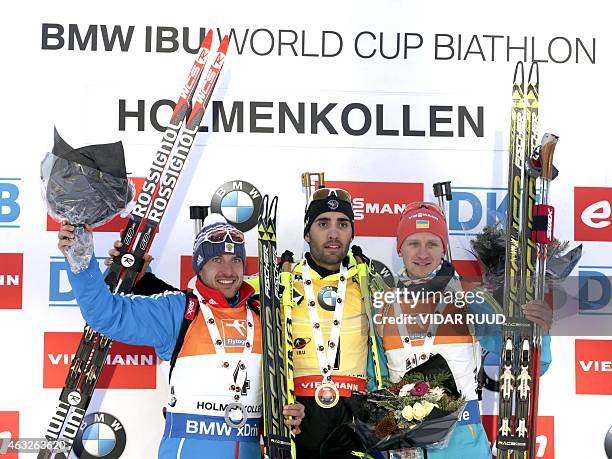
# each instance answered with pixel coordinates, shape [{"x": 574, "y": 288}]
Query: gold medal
[{"x": 327, "y": 395}]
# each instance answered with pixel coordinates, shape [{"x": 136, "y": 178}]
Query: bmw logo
[
  {"x": 101, "y": 436},
  {"x": 385, "y": 273},
  {"x": 327, "y": 298},
  {"x": 239, "y": 202}
]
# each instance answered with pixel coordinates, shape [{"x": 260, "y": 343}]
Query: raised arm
[{"x": 132, "y": 319}]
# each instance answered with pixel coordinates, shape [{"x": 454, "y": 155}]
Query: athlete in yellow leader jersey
[{"x": 334, "y": 352}]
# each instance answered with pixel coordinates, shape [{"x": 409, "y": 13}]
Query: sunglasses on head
[
  {"x": 221, "y": 233},
  {"x": 339, "y": 193},
  {"x": 422, "y": 205}
]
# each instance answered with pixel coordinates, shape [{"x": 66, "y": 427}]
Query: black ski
[
  {"x": 137, "y": 238},
  {"x": 506, "y": 439},
  {"x": 528, "y": 251},
  {"x": 277, "y": 367}
]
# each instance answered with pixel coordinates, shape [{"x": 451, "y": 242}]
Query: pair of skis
[
  {"x": 529, "y": 229},
  {"x": 277, "y": 359},
  {"x": 151, "y": 204}
]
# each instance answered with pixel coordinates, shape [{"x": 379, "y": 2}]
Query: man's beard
[{"x": 321, "y": 258}]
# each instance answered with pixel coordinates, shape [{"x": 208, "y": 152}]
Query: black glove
[
  {"x": 358, "y": 253},
  {"x": 286, "y": 256}
]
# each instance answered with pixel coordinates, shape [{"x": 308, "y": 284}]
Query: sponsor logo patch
[
  {"x": 127, "y": 367},
  {"x": 378, "y": 205},
  {"x": 11, "y": 280},
  {"x": 593, "y": 366},
  {"x": 592, "y": 214}
]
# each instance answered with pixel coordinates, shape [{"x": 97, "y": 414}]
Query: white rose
[
  {"x": 437, "y": 393},
  {"x": 407, "y": 413},
  {"x": 405, "y": 390}
]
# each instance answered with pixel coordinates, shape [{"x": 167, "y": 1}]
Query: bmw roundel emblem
[
  {"x": 385, "y": 273},
  {"x": 239, "y": 202},
  {"x": 327, "y": 298},
  {"x": 608, "y": 443},
  {"x": 101, "y": 436}
]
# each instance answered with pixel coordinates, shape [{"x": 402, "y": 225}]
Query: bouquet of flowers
[
  {"x": 421, "y": 410},
  {"x": 489, "y": 248},
  {"x": 412, "y": 400},
  {"x": 84, "y": 186}
]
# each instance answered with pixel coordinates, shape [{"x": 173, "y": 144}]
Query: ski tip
[
  {"x": 207, "y": 42},
  {"x": 224, "y": 44},
  {"x": 535, "y": 81},
  {"x": 273, "y": 207},
  {"x": 519, "y": 65},
  {"x": 263, "y": 208}
]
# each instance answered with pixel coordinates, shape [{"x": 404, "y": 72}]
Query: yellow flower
[
  {"x": 419, "y": 411},
  {"x": 407, "y": 413},
  {"x": 428, "y": 406}
]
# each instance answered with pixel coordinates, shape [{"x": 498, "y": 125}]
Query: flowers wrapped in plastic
[
  {"x": 489, "y": 248},
  {"x": 421, "y": 410},
  {"x": 84, "y": 186}
]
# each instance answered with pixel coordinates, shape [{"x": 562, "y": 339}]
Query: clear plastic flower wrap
[{"x": 84, "y": 186}]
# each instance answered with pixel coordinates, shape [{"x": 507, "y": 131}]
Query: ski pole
[
  {"x": 308, "y": 184},
  {"x": 543, "y": 235},
  {"x": 198, "y": 214},
  {"x": 442, "y": 191}
]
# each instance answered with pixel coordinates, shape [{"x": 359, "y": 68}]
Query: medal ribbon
[
  {"x": 325, "y": 360},
  {"x": 411, "y": 357},
  {"x": 220, "y": 347}
]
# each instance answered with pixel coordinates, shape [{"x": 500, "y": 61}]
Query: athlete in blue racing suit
[{"x": 203, "y": 381}]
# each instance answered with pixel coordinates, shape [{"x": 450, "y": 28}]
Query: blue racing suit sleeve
[
  {"x": 382, "y": 360},
  {"x": 490, "y": 338},
  {"x": 131, "y": 319}
]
